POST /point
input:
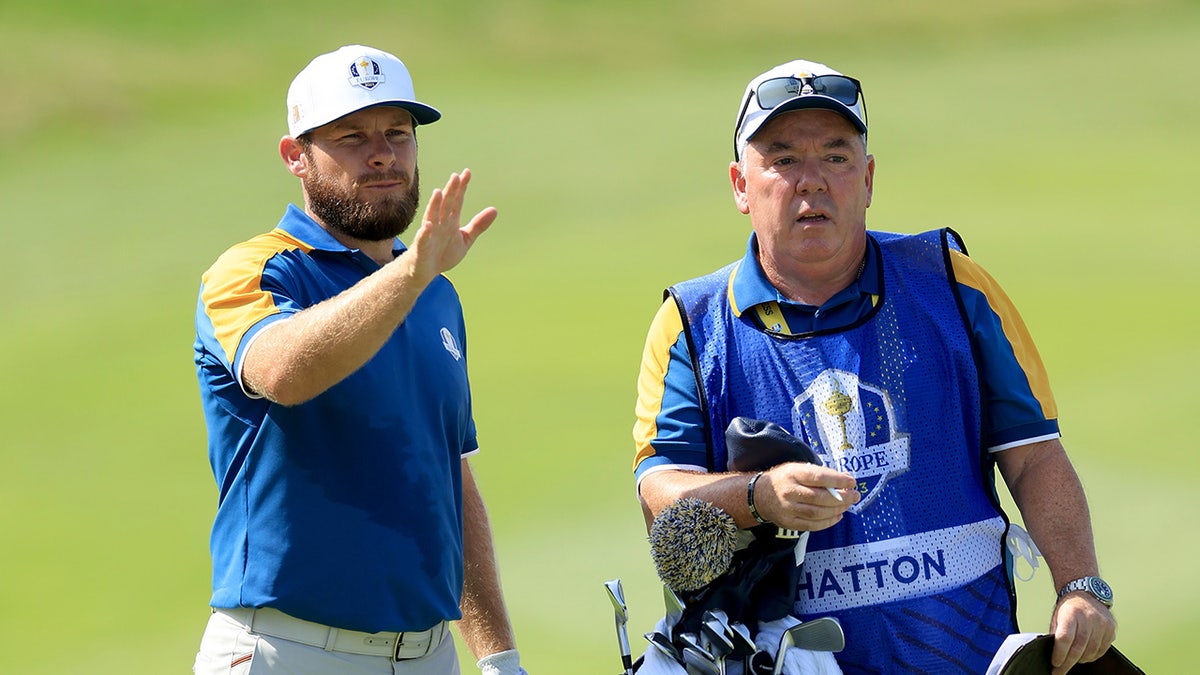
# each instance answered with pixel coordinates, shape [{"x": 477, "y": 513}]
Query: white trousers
[{"x": 229, "y": 648}]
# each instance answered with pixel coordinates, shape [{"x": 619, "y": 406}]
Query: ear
[
  {"x": 870, "y": 178},
  {"x": 293, "y": 156},
  {"x": 738, "y": 180}
]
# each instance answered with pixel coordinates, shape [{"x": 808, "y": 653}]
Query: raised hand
[{"x": 441, "y": 243}]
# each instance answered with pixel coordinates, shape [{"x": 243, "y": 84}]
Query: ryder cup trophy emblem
[{"x": 852, "y": 426}]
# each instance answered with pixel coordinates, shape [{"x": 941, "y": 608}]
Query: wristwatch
[{"x": 1094, "y": 585}]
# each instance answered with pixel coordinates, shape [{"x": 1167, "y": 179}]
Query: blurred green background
[{"x": 138, "y": 140}]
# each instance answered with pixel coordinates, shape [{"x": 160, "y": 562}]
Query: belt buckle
[
  {"x": 432, "y": 636},
  {"x": 399, "y": 646}
]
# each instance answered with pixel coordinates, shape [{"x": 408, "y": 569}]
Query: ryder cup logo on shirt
[
  {"x": 366, "y": 73},
  {"x": 852, "y": 426},
  {"x": 451, "y": 344}
]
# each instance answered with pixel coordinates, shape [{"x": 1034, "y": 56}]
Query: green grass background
[{"x": 138, "y": 140}]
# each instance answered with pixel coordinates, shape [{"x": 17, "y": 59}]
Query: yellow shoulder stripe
[
  {"x": 970, "y": 274},
  {"x": 656, "y": 357},
  {"x": 233, "y": 296}
]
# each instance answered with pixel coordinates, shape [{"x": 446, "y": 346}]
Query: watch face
[{"x": 1100, "y": 589}]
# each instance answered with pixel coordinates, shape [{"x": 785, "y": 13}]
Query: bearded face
[{"x": 342, "y": 210}]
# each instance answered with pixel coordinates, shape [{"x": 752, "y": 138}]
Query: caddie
[{"x": 904, "y": 365}]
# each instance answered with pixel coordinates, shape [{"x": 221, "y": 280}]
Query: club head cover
[
  {"x": 692, "y": 542},
  {"x": 758, "y": 445}
]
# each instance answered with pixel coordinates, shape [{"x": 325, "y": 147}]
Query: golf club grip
[{"x": 761, "y": 663}]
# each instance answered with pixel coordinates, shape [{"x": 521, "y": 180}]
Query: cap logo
[
  {"x": 366, "y": 73},
  {"x": 806, "y": 78}
]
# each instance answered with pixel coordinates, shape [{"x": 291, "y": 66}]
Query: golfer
[{"x": 332, "y": 363}]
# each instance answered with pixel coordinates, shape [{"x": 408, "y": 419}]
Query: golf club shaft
[{"x": 623, "y": 640}]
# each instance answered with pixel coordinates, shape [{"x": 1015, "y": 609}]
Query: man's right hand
[
  {"x": 441, "y": 243},
  {"x": 794, "y": 496}
]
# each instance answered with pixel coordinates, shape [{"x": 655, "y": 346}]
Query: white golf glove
[
  {"x": 797, "y": 661},
  {"x": 502, "y": 663}
]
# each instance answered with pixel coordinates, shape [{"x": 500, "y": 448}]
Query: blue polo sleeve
[
  {"x": 669, "y": 429},
  {"x": 1016, "y": 389}
]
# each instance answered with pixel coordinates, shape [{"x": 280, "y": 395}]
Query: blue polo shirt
[
  {"x": 1018, "y": 404},
  {"x": 345, "y": 510}
]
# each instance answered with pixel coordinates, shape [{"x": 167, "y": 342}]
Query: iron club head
[
  {"x": 692, "y": 641},
  {"x": 743, "y": 644},
  {"x": 698, "y": 662},
  {"x": 663, "y": 644},
  {"x": 617, "y": 595},
  {"x": 674, "y": 607},
  {"x": 819, "y": 635},
  {"x": 716, "y": 636}
]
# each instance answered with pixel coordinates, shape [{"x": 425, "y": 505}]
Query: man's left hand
[
  {"x": 1083, "y": 630},
  {"x": 502, "y": 663}
]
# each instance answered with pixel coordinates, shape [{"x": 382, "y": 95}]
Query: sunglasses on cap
[{"x": 770, "y": 93}]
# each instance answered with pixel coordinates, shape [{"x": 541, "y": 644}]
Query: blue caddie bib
[{"x": 917, "y": 570}]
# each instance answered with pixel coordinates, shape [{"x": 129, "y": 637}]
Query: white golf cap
[
  {"x": 350, "y": 79},
  {"x": 791, "y": 87}
]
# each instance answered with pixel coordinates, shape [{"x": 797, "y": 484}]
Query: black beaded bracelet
[{"x": 750, "y": 497}]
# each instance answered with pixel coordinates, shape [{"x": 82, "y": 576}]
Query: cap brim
[
  {"x": 809, "y": 102},
  {"x": 421, "y": 113}
]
